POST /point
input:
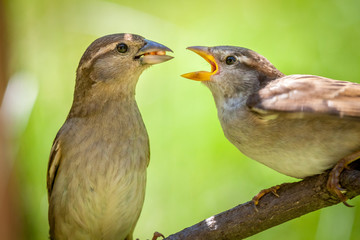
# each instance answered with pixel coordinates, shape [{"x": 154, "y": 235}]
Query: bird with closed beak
[
  {"x": 298, "y": 125},
  {"x": 97, "y": 169}
]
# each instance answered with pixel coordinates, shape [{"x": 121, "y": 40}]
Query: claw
[
  {"x": 157, "y": 235},
  {"x": 263, "y": 192},
  {"x": 333, "y": 183},
  {"x": 274, "y": 191},
  {"x": 254, "y": 205}
]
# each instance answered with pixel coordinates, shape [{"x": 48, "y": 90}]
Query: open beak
[
  {"x": 153, "y": 53},
  {"x": 202, "y": 75}
]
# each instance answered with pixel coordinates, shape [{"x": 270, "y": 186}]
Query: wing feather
[
  {"x": 307, "y": 94},
  {"x": 54, "y": 163}
]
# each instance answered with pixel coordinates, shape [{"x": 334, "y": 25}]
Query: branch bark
[{"x": 296, "y": 199}]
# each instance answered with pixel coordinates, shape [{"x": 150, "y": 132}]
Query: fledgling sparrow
[{"x": 298, "y": 125}]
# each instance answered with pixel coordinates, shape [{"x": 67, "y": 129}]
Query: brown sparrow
[
  {"x": 97, "y": 168},
  {"x": 298, "y": 125}
]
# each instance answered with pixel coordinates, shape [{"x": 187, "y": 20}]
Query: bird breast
[
  {"x": 295, "y": 147},
  {"x": 103, "y": 184}
]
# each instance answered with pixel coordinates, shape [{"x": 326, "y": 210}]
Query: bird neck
[
  {"x": 96, "y": 98},
  {"x": 230, "y": 103},
  {"x": 229, "y": 95}
]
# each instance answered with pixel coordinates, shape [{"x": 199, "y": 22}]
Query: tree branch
[{"x": 296, "y": 199}]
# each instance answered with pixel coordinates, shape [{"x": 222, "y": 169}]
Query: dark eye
[
  {"x": 122, "y": 48},
  {"x": 230, "y": 60}
]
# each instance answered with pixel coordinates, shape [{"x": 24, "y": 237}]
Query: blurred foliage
[{"x": 194, "y": 171}]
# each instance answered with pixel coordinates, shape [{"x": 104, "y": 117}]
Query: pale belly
[
  {"x": 296, "y": 147},
  {"x": 99, "y": 188},
  {"x": 104, "y": 206}
]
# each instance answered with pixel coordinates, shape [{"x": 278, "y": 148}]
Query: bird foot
[
  {"x": 333, "y": 183},
  {"x": 157, "y": 235},
  {"x": 257, "y": 197}
]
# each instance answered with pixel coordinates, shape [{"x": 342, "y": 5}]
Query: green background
[{"x": 194, "y": 171}]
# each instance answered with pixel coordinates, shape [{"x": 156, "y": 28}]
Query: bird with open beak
[
  {"x": 97, "y": 169},
  {"x": 298, "y": 125}
]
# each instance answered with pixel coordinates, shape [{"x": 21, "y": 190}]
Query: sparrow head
[
  {"x": 116, "y": 62},
  {"x": 235, "y": 71}
]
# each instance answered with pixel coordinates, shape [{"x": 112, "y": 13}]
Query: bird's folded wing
[
  {"x": 309, "y": 94},
  {"x": 54, "y": 163}
]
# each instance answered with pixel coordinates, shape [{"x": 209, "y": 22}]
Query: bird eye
[
  {"x": 230, "y": 60},
  {"x": 122, "y": 48}
]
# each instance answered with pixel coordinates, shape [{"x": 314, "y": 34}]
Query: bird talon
[
  {"x": 334, "y": 187},
  {"x": 256, "y": 199},
  {"x": 157, "y": 235},
  {"x": 333, "y": 183},
  {"x": 342, "y": 190},
  {"x": 277, "y": 195},
  {"x": 273, "y": 190},
  {"x": 348, "y": 205},
  {"x": 255, "y": 203}
]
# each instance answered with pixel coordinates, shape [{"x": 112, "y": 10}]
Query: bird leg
[
  {"x": 265, "y": 191},
  {"x": 156, "y": 235},
  {"x": 333, "y": 183}
]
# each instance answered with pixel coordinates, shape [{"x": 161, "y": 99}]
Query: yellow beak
[{"x": 202, "y": 75}]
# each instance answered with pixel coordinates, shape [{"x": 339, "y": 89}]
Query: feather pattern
[
  {"x": 307, "y": 94},
  {"x": 54, "y": 163}
]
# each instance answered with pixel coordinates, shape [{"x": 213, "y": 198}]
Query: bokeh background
[{"x": 194, "y": 171}]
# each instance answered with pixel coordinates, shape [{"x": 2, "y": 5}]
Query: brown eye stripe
[{"x": 102, "y": 51}]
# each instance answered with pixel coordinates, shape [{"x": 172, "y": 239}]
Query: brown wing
[
  {"x": 307, "y": 94},
  {"x": 54, "y": 163}
]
